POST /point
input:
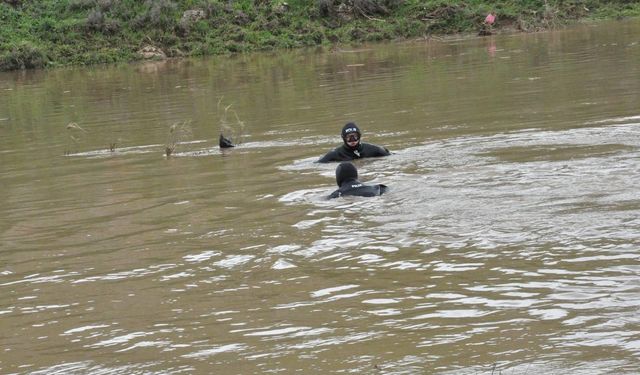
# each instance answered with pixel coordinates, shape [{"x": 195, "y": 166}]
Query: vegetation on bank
[{"x": 35, "y": 34}]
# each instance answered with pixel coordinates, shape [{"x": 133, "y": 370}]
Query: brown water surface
[{"x": 509, "y": 241}]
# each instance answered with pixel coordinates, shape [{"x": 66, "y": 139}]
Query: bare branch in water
[
  {"x": 233, "y": 130},
  {"x": 75, "y": 136},
  {"x": 178, "y": 132},
  {"x": 74, "y": 126}
]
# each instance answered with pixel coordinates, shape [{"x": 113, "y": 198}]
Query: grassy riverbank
[{"x": 46, "y": 33}]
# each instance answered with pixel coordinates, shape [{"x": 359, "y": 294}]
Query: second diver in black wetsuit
[
  {"x": 352, "y": 148},
  {"x": 347, "y": 180}
]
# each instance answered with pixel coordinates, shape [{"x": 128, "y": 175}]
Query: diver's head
[
  {"x": 351, "y": 135},
  {"x": 346, "y": 171}
]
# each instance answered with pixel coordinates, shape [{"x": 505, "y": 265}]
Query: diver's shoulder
[{"x": 375, "y": 149}]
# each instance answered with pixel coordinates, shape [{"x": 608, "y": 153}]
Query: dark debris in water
[{"x": 225, "y": 142}]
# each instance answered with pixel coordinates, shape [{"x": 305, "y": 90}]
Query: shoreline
[{"x": 52, "y": 34}]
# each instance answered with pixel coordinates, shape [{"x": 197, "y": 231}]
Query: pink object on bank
[{"x": 490, "y": 19}]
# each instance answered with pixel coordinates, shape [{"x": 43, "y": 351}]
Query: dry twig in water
[
  {"x": 178, "y": 132},
  {"x": 233, "y": 130}
]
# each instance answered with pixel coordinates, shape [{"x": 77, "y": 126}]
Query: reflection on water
[{"x": 506, "y": 244}]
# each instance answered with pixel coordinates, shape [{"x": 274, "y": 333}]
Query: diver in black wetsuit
[
  {"x": 352, "y": 147},
  {"x": 347, "y": 180}
]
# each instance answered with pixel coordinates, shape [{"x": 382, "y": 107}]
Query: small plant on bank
[
  {"x": 97, "y": 22},
  {"x": 23, "y": 56}
]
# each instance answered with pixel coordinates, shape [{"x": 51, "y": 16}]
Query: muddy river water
[{"x": 509, "y": 241}]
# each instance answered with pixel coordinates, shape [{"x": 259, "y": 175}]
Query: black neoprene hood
[
  {"x": 346, "y": 171},
  {"x": 350, "y": 127}
]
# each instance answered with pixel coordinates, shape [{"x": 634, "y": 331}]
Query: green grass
[{"x": 36, "y": 34}]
